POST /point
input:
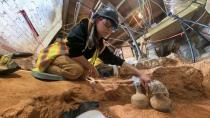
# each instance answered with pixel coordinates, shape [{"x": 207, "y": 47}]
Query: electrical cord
[
  {"x": 190, "y": 27},
  {"x": 184, "y": 23},
  {"x": 150, "y": 6},
  {"x": 142, "y": 11},
  {"x": 133, "y": 30},
  {"x": 188, "y": 41}
]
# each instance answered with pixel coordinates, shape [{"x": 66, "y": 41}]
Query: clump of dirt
[
  {"x": 125, "y": 73},
  {"x": 25, "y": 63},
  {"x": 188, "y": 85},
  {"x": 148, "y": 64},
  {"x": 25, "y": 96},
  {"x": 114, "y": 89},
  {"x": 184, "y": 109},
  {"x": 182, "y": 82},
  {"x": 121, "y": 93}
]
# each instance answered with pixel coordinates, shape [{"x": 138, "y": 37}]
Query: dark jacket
[{"x": 77, "y": 39}]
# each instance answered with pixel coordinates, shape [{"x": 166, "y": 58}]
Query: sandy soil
[{"x": 189, "y": 86}]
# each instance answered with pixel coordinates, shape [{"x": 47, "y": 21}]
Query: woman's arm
[
  {"x": 89, "y": 68},
  {"x": 145, "y": 78}
]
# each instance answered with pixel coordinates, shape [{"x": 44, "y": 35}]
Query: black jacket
[{"x": 77, "y": 38}]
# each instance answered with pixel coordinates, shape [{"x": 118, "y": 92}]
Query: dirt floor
[{"x": 189, "y": 86}]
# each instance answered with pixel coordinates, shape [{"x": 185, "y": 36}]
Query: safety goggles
[{"x": 109, "y": 25}]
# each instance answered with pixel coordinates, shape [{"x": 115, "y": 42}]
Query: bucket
[{"x": 91, "y": 114}]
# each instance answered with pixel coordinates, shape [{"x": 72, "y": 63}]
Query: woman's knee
[
  {"x": 74, "y": 72},
  {"x": 79, "y": 70}
]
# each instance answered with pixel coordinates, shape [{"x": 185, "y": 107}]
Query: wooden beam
[
  {"x": 118, "y": 6},
  {"x": 65, "y": 11},
  {"x": 77, "y": 11}
]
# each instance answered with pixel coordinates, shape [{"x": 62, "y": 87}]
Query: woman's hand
[
  {"x": 145, "y": 79},
  {"x": 92, "y": 72}
]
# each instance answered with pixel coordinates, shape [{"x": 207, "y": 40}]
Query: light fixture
[{"x": 140, "y": 15}]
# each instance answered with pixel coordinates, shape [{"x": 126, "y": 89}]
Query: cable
[
  {"x": 181, "y": 33},
  {"x": 206, "y": 26},
  {"x": 149, "y": 16},
  {"x": 201, "y": 16},
  {"x": 139, "y": 55},
  {"x": 147, "y": 13},
  {"x": 133, "y": 30},
  {"x": 118, "y": 39},
  {"x": 150, "y": 6},
  {"x": 108, "y": 44},
  {"x": 198, "y": 33},
  {"x": 188, "y": 41},
  {"x": 143, "y": 11}
]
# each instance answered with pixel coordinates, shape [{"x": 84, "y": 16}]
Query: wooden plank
[
  {"x": 169, "y": 26},
  {"x": 65, "y": 11}
]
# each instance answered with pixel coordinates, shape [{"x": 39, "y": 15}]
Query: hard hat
[{"x": 110, "y": 13}]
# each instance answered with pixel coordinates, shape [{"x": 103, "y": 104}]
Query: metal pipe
[
  {"x": 76, "y": 12},
  {"x": 195, "y": 31},
  {"x": 206, "y": 26},
  {"x": 188, "y": 41},
  {"x": 135, "y": 43},
  {"x": 182, "y": 23}
]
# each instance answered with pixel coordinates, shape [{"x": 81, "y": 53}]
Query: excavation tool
[
  {"x": 93, "y": 81},
  {"x": 106, "y": 84},
  {"x": 7, "y": 65},
  {"x": 139, "y": 100}
]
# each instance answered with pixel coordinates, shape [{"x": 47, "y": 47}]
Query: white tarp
[
  {"x": 15, "y": 33},
  {"x": 208, "y": 6}
]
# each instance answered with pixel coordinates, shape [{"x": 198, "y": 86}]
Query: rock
[
  {"x": 182, "y": 82},
  {"x": 161, "y": 103},
  {"x": 152, "y": 63},
  {"x": 140, "y": 100}
]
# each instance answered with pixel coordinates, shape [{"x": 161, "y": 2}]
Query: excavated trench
[{"x": 24, "y": 96}]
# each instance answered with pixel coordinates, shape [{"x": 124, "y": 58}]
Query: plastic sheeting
[
  {"x": 208, "y": 6},
  {"x": 15, "y": 33},
  {"x": 175, "y": 6}
]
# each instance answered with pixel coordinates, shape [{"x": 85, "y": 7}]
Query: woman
[{"x": 85, "y": 41}]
